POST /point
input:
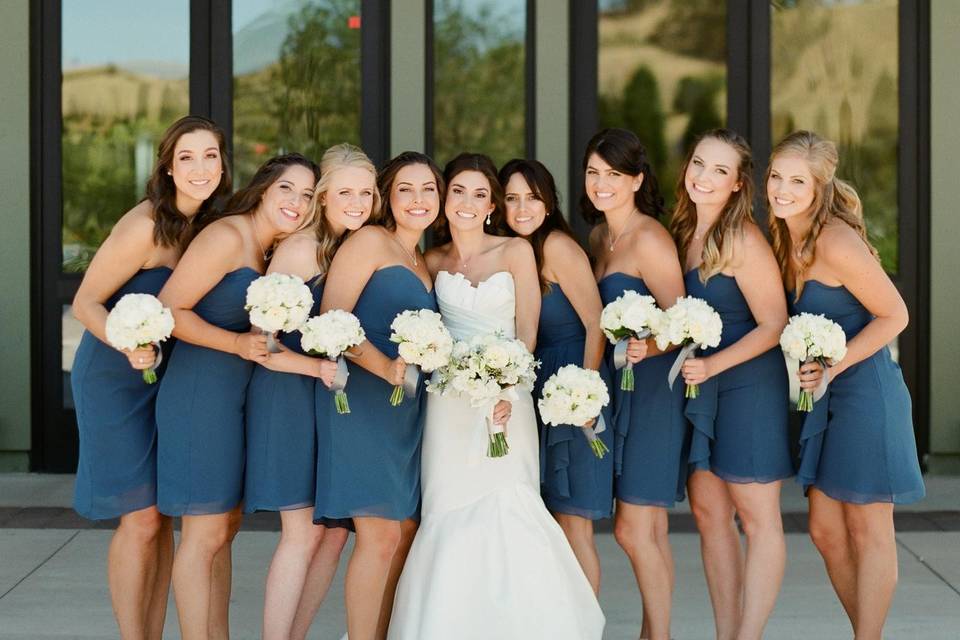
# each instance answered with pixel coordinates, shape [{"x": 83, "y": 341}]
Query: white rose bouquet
[
  {"x": 278, "y": 302},
  {"x": 808, "y": 338},
  {"x": 138, "y": 320},
  {"x": 693, "y": 324},
  {"x": 485, "y": 369},
  {"x": 574, "y": 396},
  {"x": 329, "y": 335},
  {"x": 423, "y": 341},
  {"x": 629, "y": 316}
]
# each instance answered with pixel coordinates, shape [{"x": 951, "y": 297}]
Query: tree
[{"x": 643, "y": 114}]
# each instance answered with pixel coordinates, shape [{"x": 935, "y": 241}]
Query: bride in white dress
[{"x": 488, "y": 560}]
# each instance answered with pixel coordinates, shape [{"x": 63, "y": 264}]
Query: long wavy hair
[
  {"x": 469, "y": 162},
  {"x": 388, "y": 175},
  {"x": 623, "y": 151},
  {"x": 833, "y": 199},
  {"x": 247, "y": 199},
  {"x": 340, "y": 156},
  {"x": 171, "y": 228},
  {"x": 718, "y": 247},
  {"x": 541, "y": 183}
]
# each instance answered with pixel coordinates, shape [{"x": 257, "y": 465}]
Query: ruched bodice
[{"x": 470, "y": 310}]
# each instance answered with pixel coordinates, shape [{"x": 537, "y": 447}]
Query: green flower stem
[
  {"x": 599, "y": 449},
  {"x": 498, "y": 446},
  {"x": 805, "y": 401},
  {"x": 397, "y": 396},
  {"x": 340, "y": 402},
  {"x": 626, "y": 379},
  {"x": 150, "y": 376},
  {"x": 693, "y": 391}
]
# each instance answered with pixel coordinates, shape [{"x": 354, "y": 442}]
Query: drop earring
[{"x": 488, "y": 219}]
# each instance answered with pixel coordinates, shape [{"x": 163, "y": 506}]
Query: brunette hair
[
  {"x": 171, "y": 228},
  {"x": 833, "y": 199},
  {"x": 541, "y": 183},
  {"x": 470, "y": 162},
  {"x": 623, "y": 151},
  {"x": 388, "y": 175},
  {"x": 718, "y": 247}
]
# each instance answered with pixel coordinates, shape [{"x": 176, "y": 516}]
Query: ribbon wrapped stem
[
  {"x": 596, "y": 444},
  {"x": 150, "y": 373},
  {"x": 338, "y": 386},
  {"x": 620, "y": 360},
  {"x": 807, "y": 398},
  {"x": 411, "y": 378}
]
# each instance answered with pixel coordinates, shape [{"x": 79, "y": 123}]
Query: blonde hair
[
  {"x": 833, "y": 198},
  {"x": 718, "y": 247},
  {"x": 339, "y": 156}
]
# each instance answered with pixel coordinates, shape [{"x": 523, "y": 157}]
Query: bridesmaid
[
  {"x": 117, "y": 471},
  {"x": 631, "y": 250},
  {"x": 369, "y": 464},
  {"x": 739, "y": 452},
  {"x": 200, "y": 406},
  {"x": 858, "y": 454},
  {"x": 281, "y": 424},
  {"x": 577, "y": 487}
]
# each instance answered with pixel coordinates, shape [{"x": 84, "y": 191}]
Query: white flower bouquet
[
  {"x": 693, "y": 324},
  {"x": 808, "y": 338},
  {"x": 329, "y": 335},
  {"x": 629, "y": 316},
  {"x": 485, "y": 369},
  {"x": 423, "y": 341},
  {"x": 278, "y": 302},
  {"x": 139, "y": 320},
  {"x": 574, "y": 396}
]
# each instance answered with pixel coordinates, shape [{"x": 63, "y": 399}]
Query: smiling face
[
  {"x": 791, "y": 187},
  {"x": 348, "y": 200},
  {"x": 608, "y": 188},
  {"x": 525, "y": 210},
  {"x": 197, "y": 165},
  {"x": 712, "y": 173},
  {"x": 286, "y": 202},
  {"x": 469, "y": 200},
  {"x": 415, "y": 197}
]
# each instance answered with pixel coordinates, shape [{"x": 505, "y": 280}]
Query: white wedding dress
[{"x": 488, "y": 561}]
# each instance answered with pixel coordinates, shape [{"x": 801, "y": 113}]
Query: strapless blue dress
[
  {"x": 740, "y": 417},
  {"x": 857, "y": 445},
  {"x": 648, "y": 422},
  {"x": 368, "y": 461},
  {"x": 200, "y": 411},
  {"x": 573, "y": 480},
  {"x": 117, "y": 469}
]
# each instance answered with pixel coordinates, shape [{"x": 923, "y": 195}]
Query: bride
[{"x": 488, "y": 561}]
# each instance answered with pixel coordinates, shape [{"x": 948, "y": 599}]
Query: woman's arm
[
  {"x": 523, "y": 266},
  {"x": 660, "y": 266},
  {"x": 569, "y": 266}
]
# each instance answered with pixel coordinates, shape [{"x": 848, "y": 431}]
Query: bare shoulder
[
  {"x": 597, "y": 234},
  {"x": 653, "y": 238},
  {"x": 559, "y": 246},
  {"x": 752, "y": 239},
  {"x": 136, "y": 224},
  {"x": 515, "y": 248},
  {"x": 365, "y": 239},
  {"x": 839, "y": 243},
  {"x": 296, "y": 254},
  {"x": 435, "y": 256}
]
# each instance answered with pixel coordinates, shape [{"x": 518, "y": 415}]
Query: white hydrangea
[
  {"x": 278, "y": 302},
  {"x": 690, "y": 320},
  {"x": 629, "y": 315},
  {"x": 808, "y": 337},
  {"x": 138, "y": 319},
  {"x": 331, "y": 333},
  {"x": 481, "y": 367},
  {"x": 573, "y": 396},
  {"x": 422, "y": 338}
]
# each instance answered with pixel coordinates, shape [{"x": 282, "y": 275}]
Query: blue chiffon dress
[
  {"x": 368, "y": 461},
  {"x": 857, "y": 444},
  {"x": 281, "y": 432},
  {"x": 117, "y": 469},
  {"x": 200, "y": 411},
  {"x": 650, "y": 428},
  {"x": 573, "y": 480},
  {"x": 740, "y": 417}
]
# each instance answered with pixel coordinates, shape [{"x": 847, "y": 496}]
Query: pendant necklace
[
  {"x": 626, "y": 228},
  {"x": 412, "y": 256}
]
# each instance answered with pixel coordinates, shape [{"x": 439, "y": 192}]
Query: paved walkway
[{"x": 53, "y": 582}]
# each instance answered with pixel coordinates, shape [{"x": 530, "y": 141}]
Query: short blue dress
[
  {"x": 857, "y": 445},
  {"x": 200, "y": 411},
  {"x": 739, "y": 419},
  {"x": 572, "y": 479},
  {"x": 117, "y": 470},
  {"x": 650, "y": 428},
  {"x": 281, "y": 432},
  {"x": 368, "y": 461}
]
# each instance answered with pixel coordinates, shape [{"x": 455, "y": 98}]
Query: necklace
[
  {"x": 626, "y": 228},
  {"x": 256, "y": 234},
  {"x": 412, "y": 256}
]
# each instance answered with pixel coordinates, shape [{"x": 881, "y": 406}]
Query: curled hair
[
  {"x": 833, "y": 199},
  {"x": 340, "y": 156},
  {"x": 623, "y": 151},
  {"x": 718, "y": 246},
  {"x": 541, "y": 183},
  {"x": 470, "y": 162},
  {"x": 387, "y": 177},
  {"x": 171, "y": 227}
]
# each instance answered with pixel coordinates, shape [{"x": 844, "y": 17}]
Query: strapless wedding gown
[{"x": 488, "y": 561}]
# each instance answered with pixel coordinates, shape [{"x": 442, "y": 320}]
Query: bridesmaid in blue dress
[
  {"x": 577, "y": 487},
  {"x": 200, "y": 405},
  {"x": 281, "y": 426},
  {"x": 631, "y": 250},
  {"x": 858, "y": 453},
  {"x": 117, "y": 470},
  {"x": 369, "y": 460},
  {"x": 739, "y": 450}
]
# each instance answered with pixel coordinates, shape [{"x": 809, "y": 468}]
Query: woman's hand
[
  {"x": 810, "y": 374},
  {"x": 393, "y": 373},
  {"x": 696, "y": 370},
  {"x": 251, "y": 346},
  {"x": 326, "y": 371},
  {"x": 589, "y": 424},
  {"x": 141, "y": 358},
  {"x": 636, "y": 350},
  {"x": 501, "y": 413}
]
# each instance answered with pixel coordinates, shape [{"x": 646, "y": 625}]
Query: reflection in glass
[
  {"x": 661, "y": 72},
  {"x": 296, "y": 84},
  {"x": 71, "y": 332},
  {"x": 125, "y": 68},
  {"x": 834, "y": 71},
  {"x": 478, "y": 79}
]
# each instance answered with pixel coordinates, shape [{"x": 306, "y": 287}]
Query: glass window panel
[
  {"x": 125, "y": 79},
  {"x": 296, "y": 84},
  {"x": 662, "y": 73},
  {"x": 71, "y": 332},
  {"x": 834, "y": 71},
  {"x": 479, "y": 80}
]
